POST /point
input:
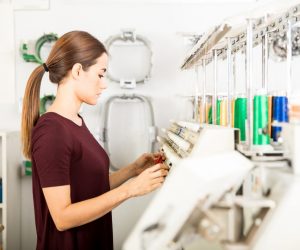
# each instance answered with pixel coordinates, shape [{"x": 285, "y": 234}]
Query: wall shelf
[{"x": 10, "y": 213}]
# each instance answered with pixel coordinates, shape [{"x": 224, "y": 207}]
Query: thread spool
[
  {"x": 260, "y": 120},
  {"x": 195, "y": 114},
  {"x": 184, "y": 133},
  {"x": 175, "y": 148},
  {"x": 223, "y": 112},
  {"x": 218, "y": 116},
  {"x": 270, "y": 104},
  {"x": 171, "y": 155},
  {"x": 200, "y": 109},
  {"x": 294, "y": 112},
  {"x": 208, "y": 118},
  {"x": 232, "y": 112},
  {"x": 195, "y": 127},
  {"x": 181, "y": 143},
  {"x": 294, "y": 109},
  {"x": 240, "y": 116},
  {"x": 280, "y": 114}
]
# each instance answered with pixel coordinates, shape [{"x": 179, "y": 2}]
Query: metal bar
[
  {"x": 204, "y": 93},
  {"x": 234, "y": 94},
  {"x": 214, "y": 99},
  {"x": 196, "y": 97},
  {"x": 249, "y": 52},
  {"x": 246, "y": 72},
  {"x": 266, "y": 59},
  {"x": 289, "y": 58},
  {"x": 265, "y": 56},
  {"x": 229, "y": 65},
  {"x": 234, "y": 74}
]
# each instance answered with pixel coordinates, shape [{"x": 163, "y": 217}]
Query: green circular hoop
[
  {"x": 43, "y": 102},
  {"x": 36, "y": 57}
]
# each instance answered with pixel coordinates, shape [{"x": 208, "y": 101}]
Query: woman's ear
[{"x": 77, "y": 67}]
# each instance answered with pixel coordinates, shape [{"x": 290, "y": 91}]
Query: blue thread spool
[{"x": 280, "y": 114}]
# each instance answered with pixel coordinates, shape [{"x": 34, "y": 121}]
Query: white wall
[{"x": 159, "y": 23}]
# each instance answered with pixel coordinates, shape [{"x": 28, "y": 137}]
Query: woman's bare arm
[{"x": 66, "y": 214}]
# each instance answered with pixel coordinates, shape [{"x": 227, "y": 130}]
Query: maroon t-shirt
[{"x": 64, "y": 153}]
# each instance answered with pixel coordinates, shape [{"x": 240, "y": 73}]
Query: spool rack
[{"x": 225, "y": 40}]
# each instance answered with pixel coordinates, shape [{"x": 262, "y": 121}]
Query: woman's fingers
[
  {"x": 157, "y": 185},
  {"x": 149, "y": 179},
  {"x": 157, "y": 154},
  {"x": 158, "y": 180},
  {"x": 158, "y": 170},
  {"x": 158, "y": 157},
  {"x": 160, "y": 173},
  {"x": 157, "y": 167},
  {"x": 154, "y": 168}
]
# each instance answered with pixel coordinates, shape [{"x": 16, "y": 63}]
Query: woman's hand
[
  {"x": 147, "y": 160},
  {"x": 149, "y": 180}
]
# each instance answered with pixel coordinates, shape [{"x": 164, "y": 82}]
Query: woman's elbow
[{"x": 61, "y": 225}]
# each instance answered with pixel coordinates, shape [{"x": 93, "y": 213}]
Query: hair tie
[{"x": 45, "y": 67}]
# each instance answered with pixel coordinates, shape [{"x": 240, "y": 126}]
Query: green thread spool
[
  {"x": 240, "y": 116},
  {"x": 232, "y": 102},
  {"x": 260, "y": 120},
  {"x": 218, "y": 111},
  {"x": 210, "y": 115},
  {"x": 209, "y": 109}
]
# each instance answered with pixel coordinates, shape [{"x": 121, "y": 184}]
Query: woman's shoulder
[
  {"x": 48, "y": 120},
  {"x": 51, "y": 133},
  {"x": 49, "y": 123}
]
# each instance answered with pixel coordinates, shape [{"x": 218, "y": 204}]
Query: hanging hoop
[
  {"x": 32, "y": 52},
  {"x": 45, "y": 102},
  {"x": 130, "y": 36}
]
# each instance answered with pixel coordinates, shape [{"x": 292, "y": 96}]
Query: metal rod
[
  {"x": 196, "y": 97},
  {"x": 246, "y": 73},
  {"x": 204, "y": 93},
  {"x": 229, "y": 65},
  {"x": 249, "y": 51},
  {"x": 263, "y": 61},
  {"x": 214, "y": 99},
  {"x": 234, "y": 94},
  {"x": 289, "y": 58},
  {"x": 234, "y": 74},
  {"x": 265, "y": 56}
]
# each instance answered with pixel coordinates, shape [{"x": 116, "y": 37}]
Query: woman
[{"x": 72, "y": 189}]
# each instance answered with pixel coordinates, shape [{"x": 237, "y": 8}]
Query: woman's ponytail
[{"x": 31, "y": 107}]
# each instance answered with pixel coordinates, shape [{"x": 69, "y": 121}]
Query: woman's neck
[{"x": 66, "y": 103}]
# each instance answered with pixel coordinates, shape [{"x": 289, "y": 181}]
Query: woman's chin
[{"x": 91, "y": 102}]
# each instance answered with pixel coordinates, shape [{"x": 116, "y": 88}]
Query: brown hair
[{"x": 73, "y": 47}]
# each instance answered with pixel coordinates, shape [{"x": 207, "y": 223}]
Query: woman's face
[{"x": 92, "y": 82}]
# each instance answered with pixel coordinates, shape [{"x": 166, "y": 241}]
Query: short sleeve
[{"x": 51, "y": 153}]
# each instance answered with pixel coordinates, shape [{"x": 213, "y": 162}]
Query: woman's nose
[{"x": 103, "y": 84}]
